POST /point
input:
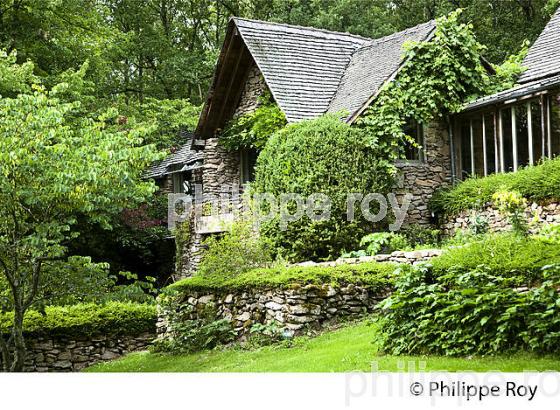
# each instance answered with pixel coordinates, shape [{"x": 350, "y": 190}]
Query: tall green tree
[{"x": 54, "y": 167}]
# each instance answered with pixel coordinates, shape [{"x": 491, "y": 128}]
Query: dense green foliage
[
  {"x": 83, "y": 320},
  {"x": 537, "y": 183},
  {"x": 517, "y": 257},
  {"x": 493, "y": 295},
  {"x": 321, "y": 156},
  {"x": 379, "y": 242},
  {"x": 440, "y": 76},
  {"x": 185, "y": 334},
  {"x": 375, "y": 276},
  {"x": 252, "y": 131},
  {"x": 240, "y": 246}
]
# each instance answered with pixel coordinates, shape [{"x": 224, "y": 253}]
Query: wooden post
[
  {"x": 472, "y": 148},
  {"x": 514, "y": 136},
  {"x": 543, "y": 127},
  {"x": 549, "y": 127},
  {"x": 484, "y": 144},
  {"x": 530, "y": 133},
  {"x": 496, "y": 153},
  {"x": 501, "y": 137}
]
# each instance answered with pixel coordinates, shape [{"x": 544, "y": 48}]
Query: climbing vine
[
  {"x": 439, "y": 76},
  {"x": 253, "y": 130}
]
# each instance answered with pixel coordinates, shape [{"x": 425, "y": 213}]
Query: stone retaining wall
[
  {"x": 45, "y": 354},
  {"x": 411, "y": 258},
  {"x": 536, "y": 214},
  {"x": 291, "y": 309}
]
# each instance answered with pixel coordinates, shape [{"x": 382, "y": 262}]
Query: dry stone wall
[
  {"x": 46, "y": 354},
  {"x": 292, "y": 309},
  {"x": 536, "y": 215}
]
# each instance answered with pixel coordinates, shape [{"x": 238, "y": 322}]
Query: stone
[
  {"x": 273, "y": 305},
  {"x": 204, "y": 300},
  {"x": 244, "y": 317}
]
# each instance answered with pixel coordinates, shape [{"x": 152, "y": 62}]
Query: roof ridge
[
  {"x": 389, "y": 37},
  {"x": 308, "y": 28}
]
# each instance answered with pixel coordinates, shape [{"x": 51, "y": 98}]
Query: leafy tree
[{"x": 55, "y": 166}]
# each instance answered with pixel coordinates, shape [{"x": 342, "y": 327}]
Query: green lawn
[{"x": 347, "y": 349}]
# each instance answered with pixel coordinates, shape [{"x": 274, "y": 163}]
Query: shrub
[
  {"x": 81, "y": 320},
  {"x": 475, "y": 312},
  {"x": 537, "y": 183},
  {"x": 512, "y": 205},
  {"x": 321, "y": 156},
  {"x": 375, "y": 276},
  {"x": 418, "y": 235},
  {"x": 379, "y": 242},
  {"x": 239, "y": 250},
  {"x": 505, "y": 254}
]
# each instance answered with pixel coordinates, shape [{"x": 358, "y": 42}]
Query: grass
[{"x": 352, "y": 348}]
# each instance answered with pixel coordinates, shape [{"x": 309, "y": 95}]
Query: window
[
  {"x": 415, "y": 130},
  {"x": 248, "y": 162},
  {"x": 181, "y": 183}
]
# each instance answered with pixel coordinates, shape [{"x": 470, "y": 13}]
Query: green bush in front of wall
[
  {"x": 322, "y": 156},
  {"x": 87, "y": 319}
]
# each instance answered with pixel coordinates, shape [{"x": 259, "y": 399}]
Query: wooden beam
[
  {"x": 484, "y": 145},
  {"x": 514, "y": 136},
  {"x": 549, "y": 128},
  {"x": 501, "y": 138},
  {"x": 232, "y": 82},
  {"x": 496, "y": 153},
  {"x": 473, "y": 172},
  {"x": 543, "y": 127}
]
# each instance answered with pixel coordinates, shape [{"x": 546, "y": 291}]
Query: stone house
[{"x": 310, "y": 72}]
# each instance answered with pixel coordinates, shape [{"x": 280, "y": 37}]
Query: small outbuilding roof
[{"x": 185, "y": 156}]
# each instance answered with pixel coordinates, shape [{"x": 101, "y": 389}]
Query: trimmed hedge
[
  {"x": 537, "y": 183},
  {"x": 376, "y": 276},
  {"x": 87, "y": 319}
]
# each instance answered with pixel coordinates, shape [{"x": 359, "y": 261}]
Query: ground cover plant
[{"x": 497, "y": 294}]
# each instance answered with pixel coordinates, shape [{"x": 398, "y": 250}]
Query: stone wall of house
[
  {"x": 221, "y": 174},
  {"x": 422, "y": 178},
  {"x": 60, "y": 354},
  {"x": 535, "y": 213},
  {"x": 291, "y": 309}
]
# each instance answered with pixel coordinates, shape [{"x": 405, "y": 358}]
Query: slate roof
[
  {"x": 311, "y": 71},
  {"x": 543, "y": 58},
  {"x": 301, "y": 66},
  {"x": 542, "y": 65},
  {"x": 372, "y": 65},
  {"x": 185, "y": 155}
]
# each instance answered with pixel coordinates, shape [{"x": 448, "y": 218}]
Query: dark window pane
[
  {"x": 490, "y": 144},
  {"x": 522, "y": 135},
  {"x": 465, "y": 149},
  {"x": 536, "y": 125},
  {"x": 478, "y": 146},
  {"x": 555, "y": 123},
  {"x": 507, "y": 148},
  {"x": 415, "y": 131}
]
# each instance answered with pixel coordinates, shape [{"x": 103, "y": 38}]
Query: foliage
[
  {"x": 379, "y": 242},
  {"x": 536, "y": 183},
  {"x": 238, "y": 251},
  {"x": 418, "y": 235},
  {"x": 321, "y": 156},
  {"x": 252, "y": 131},
  {"x": 55, "y": 167},
  {"x": 506, "y": 254},
  {"x": 185, "y": 334},
  {"x": 550, "y": 234},
  {"x": 15, "y": 78},
  {"x": 374, "y": 276},
  {"x": 86, "y": 319},
  {"x": 478, "y": 224},
  {"x": 473, "y": 312},
  {"x": 440, "y": 76},
  {"x": 512, "y": 205}
]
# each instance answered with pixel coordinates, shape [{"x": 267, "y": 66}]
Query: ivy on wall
[
  {"x": 438, "y": 78},
  {"x": 251, "y": 131}
]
